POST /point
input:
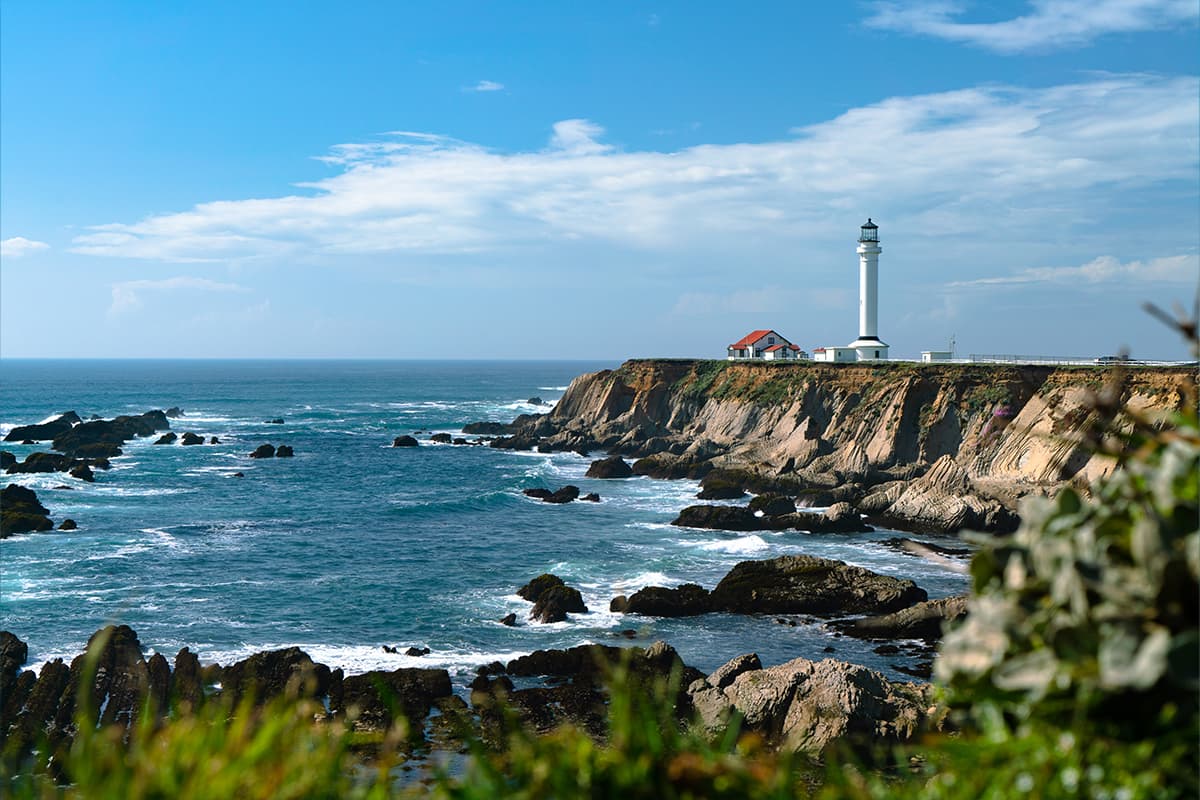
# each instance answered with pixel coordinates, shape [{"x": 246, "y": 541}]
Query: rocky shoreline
[{"x": 801, "y": 705}]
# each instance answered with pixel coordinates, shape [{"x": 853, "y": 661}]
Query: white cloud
[
  {"x": 127, "y": 295},
  {"x": 964, "y": 164},
  {"x": 1049, "y": 23},
  {"x": 19, "y": 246},
  {"x": 484, "y": 86},
  {"x": 1184, "y": 269}
]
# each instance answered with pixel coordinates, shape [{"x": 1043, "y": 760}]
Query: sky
[{"x": 594, "y": 180}]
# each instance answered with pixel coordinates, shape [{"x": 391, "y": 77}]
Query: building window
[
  {"x": 877, "y": 354},
  {"x": 770, "y": 340}
]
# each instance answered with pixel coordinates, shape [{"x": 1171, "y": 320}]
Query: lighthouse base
[{"x": 870, "y": 349}]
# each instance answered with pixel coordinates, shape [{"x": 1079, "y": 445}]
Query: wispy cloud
[
  {"x": 1183, "y": 269},
  {"x": 484, "y": 86},
  {"x": 127, "y": 295},
  {"x": 19, "y": 246},
  {"x": 951, "y": 164},
  {"x": 1049, "y": 24}
]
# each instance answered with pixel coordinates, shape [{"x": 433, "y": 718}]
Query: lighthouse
[{"x": 868, "y": 346}]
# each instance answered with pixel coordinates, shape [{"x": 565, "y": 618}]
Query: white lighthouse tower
[{"x": 868, "y": 345}]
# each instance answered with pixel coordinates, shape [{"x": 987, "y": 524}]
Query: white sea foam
[
  {"x": 745, "y": 544},
  {"x": 357, "y": 659},
  {"x": 643, "y": 580},
  {"x": 553, "y": 388}
]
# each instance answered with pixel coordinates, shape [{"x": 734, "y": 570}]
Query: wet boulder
[
  {"x": 264, "y": 451},
  {"x": 22, "y": 512},
  {"x": 44, "y": 431},
  {"x": 68, "y": 525},
  {"x": 405, "y": 441},
  {"x": 611, "y": 467},
  {"x": 566, "y": 494},
  {"x": 191, "y": 439},
  {"x": 555, "y": 603},
  {"x": 687, "y": 600},
  {"x": 772, "y": 505},
  {"x": 441, "y": 438},
  {"x": 284, "y": 451},
  {"x": 725, "y": 518},
  {"x": 810, "y": 585},
  {"x": 166, "y": 438},
  {"x": 83, "y": 472}
]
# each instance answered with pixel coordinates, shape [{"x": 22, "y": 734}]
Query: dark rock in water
[
  {"x": 405, "y": 441},
  {"x": 534, "y": 589},
  {"x": 441, "y": 438},
  {"x": 103, "y": 438},
  {"x": 683, "y": 601},
  {"x": 719, "y": 489},
  {"x": 21, "y": 512},
  {"x": 284, "y": 451},
  {"x": 611, "y": 467},
  {"x": 509, "y": 620},
  {"x": 886, "y": 650},
  {"x": 520, "y": 441},
  {"x": 772, "y": 505},
  {"x": 68, "y": 525},
  {"x": 7, "y": 459},
  {"x": 83, "y": 472},
  {"x": 552, "y": 598},
  {"x": 13, "y": 653},
  {"x": 918, "y": 621},
  {"x": 670, "y": 466},
  {"x": 166, "y": 438},
  {"x": 915, "y": 548},
  {"x": 174, "y": 412},
  {"x": 264, "y": 676},
  {"x": 555, "y": 603},
  {"x": 28, "y": 434},
  {"x": 417, "y": 651},
  {"x": 42, "y": 462},
  {"x": 377, "y": 694},
  {"x": 276, "y": 421},
  {"x": 192, "y": 439},
  {"x": 810, "y": 585},
  {"x": 491, "y": 668},
  {"x": 239, "y": 474},
  {"x": 488, "y": 428},
  {"x": 564, "y": 495},
  {"x": 590, "y": 497},
  {"x": 387, "y": 648},
  {"x": 460, "y": 440},
  {"x": 537, "y": 401},
  {"x": 214, "y": 440},
  {"x": 727, "y": 518},
  {"x": 264, "y": 451},
  {"x": 187, "y": 688},
  {"x": 538, "y": 494}
]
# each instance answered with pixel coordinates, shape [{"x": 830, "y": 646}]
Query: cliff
[{"x": 903, "y": 433}]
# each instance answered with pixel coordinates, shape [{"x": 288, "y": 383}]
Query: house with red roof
[{"x": 766, "y": 345}]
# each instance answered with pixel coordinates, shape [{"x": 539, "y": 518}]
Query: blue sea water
[{"x": 354, "y": 544}]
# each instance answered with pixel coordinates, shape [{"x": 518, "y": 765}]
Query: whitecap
[{"x": 745, "y": 544}]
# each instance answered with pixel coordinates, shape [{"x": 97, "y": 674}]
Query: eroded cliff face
[{"x": 1004, "y": 430}]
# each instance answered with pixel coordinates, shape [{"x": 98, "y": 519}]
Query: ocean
[{"x": 353, "y": 544}]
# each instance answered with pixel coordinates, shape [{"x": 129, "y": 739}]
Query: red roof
[
  {"x": 775, "y": 347},
  {"x": 750, "y": 338}
]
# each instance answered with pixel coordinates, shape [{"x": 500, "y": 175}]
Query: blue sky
[{"x": 568, "y": 180}]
